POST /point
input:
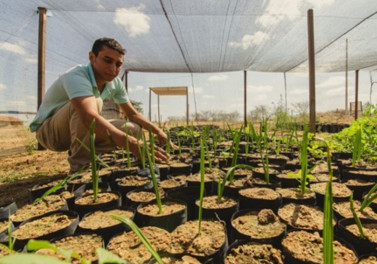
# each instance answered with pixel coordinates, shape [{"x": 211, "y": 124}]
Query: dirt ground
[{"x": 21, "y": 166}]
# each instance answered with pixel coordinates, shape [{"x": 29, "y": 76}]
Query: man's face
[{"x": 107, "y": 64}]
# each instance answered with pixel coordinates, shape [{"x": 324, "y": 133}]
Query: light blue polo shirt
[{"x": 76, "y": 82}]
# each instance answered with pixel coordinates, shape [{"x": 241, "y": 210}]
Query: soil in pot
[
  {"x": 174, "y": 182},
  {"x": 177, "y": 260},
  {"x": 173, "y": 214},
  {"x": 259, "y": 198},
  {"x": 101, "y": 223},
  {"x": 48, "y": 204},
  {"x": 129, "y": 247},
  {"x": 250, "y": 252},
  {"x": 321, "y": 177},
  {"x": 46, "y": 226},
  {"x": 363, "y": 174},
  {"x": 210, "y": 244},
  {"x": 304, "y": 217},
  {"x": 122, "y": 171},
  {"x": 343, "y": 210},
  {"x": 263, "y": 184},
  {"x": 259, "y": 226},
  {"x": 307, "y": 247},
  {"x": 348, "y": 230},
  {"x": 131, "y": 182},
  {"x": 105, "y": 200},
  {"x": 294, "y": 195},
  {"x": 136, "y": 197},
  {"x": 84, "y": 245},
  {"x": 210, "y": 176},
  {"x": 368, "y": 260},
  {"x": 358, "y": 187},
  {"x": 259, "y": 173},
  {"x": 340, "y": 192},
  {"x": 231, "y": 189},
  {"x": 213, "y": 208}
]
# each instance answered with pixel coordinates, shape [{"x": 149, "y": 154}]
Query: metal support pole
[
  {"x": 158, "y": 110},
  {"x": 311, "y": 71},
  {"x": 245, "y": 97},
  {"x": 187, "y": 108},
  {"x": 346, "y": 92}
]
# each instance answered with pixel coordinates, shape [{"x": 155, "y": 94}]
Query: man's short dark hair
[{"x": 108, "y": 42}]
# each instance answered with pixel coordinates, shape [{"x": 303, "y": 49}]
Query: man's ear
[{"x": 91, "y": 56}]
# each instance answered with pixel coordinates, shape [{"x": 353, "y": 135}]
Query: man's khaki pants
[{"x": 61, "y": 131}]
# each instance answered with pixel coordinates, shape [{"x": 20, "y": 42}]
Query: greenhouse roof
[{"x": 193, "y": 35}]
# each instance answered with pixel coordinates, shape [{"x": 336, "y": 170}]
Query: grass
[{"x": 13, "y": 176}]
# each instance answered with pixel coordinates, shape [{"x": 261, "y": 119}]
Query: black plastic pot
[
  {"x": 123, "y": 189},
  {"x": 69, "y": 230},
  {"x": 224, "y": 214},
  {"x": 164, "y": 171},
  {"x": 127, "y": 201},
  {"x": 165, "y": 221},
  {"x": 237, "y": 235},
  {"x": 259, "y": 203},
  {"x": 208, "y": 186},
  {"x": 189, "y": 195},
  {"x": 107, "y": 232},
  {"x": 362, "y": 246},
  {"x": 7, "y": 210},
  {"x": 83, "y": 209},
  {"x": 180, "y": 170}
]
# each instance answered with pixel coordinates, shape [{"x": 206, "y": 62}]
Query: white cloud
[
  {"x": 138, "y": 88},
  {"x": 331, "y": 82},
  {"x": 218, "y": 78},
  {"x": 299, "y": 91},
  {"x": 31, "y": 60},
  {"x": 337, "y": 91},
  {"x": 135, "y": 22},
  {"x": 198, "y": 90},
  {"x": 2, "y": 86},
  {"x": 259, "y": 88},
  {"x": 12, "y": 48},
  {"x": 276, "y": 11},
  {"x": 208, "y": 96},
  {"x": 249, "y": 40},
  {"x": 17, "y": 103}
]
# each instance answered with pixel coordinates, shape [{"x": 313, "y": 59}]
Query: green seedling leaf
[
  {"x": 356, "y": 217},
  {"x": 328, "y": 232},
  {"x": 30, "y": 259},
  {"x": 105, "y": 256}
]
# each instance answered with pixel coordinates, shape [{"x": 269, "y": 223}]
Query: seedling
[
  {"x": 141, "y": 236},
  {"x": 150, "y": 159},
  {"x": 328, "y": 231},
  {"x": 357, "y": 147},
  {"x": 369, "y": 198},
  {"x": 229, "y": 175},
  {"x": 356, "y": 217},
  {"x": 201, "y": 186}
]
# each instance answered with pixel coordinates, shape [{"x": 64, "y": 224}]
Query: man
[{"x": 76, "y": 98}]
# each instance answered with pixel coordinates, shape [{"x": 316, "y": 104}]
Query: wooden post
[
  {"x": 126, "y": 80},
  {"x": 311, "y": 71},
  {"x": 245, "y": 97},
  {"x": 356, "y": 93},
  {"x": 41, "y": 53},
  {"x": 158, "y": 110},
  {"x": 285, "y": 92},
  {"x": 42, "y": 11},
  {"x": 150, "y": 104}
]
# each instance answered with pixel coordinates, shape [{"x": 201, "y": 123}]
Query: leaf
[
  {"x": 105, "y": 256},
  {"x": 30, "y": 258}
]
